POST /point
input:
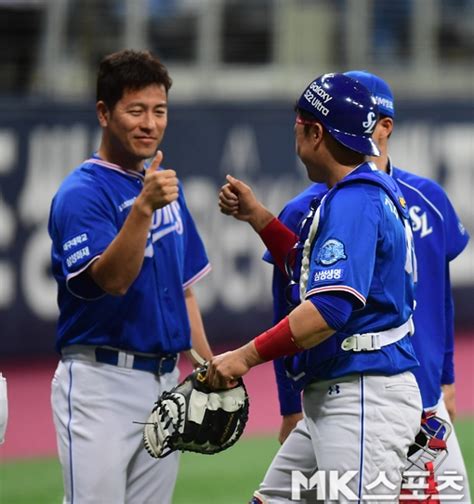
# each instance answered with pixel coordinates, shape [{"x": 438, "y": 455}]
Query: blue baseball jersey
[
  {"x": 86, "y": 214},
  {"x": 361, "y": 249},
  {"x": 439, "y": 237}
]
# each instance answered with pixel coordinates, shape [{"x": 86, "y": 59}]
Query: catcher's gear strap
[
  {"x": 430, "y": 488},
  {"x": 306, "y": 255},
  {"x": 437, "y": 444},
  {"x": 375, "y": 341}
]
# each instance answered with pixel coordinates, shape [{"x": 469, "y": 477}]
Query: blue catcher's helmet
[{"x": 345, "y": 108}]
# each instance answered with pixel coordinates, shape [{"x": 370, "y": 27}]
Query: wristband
[{"x": 276, "y": 342}]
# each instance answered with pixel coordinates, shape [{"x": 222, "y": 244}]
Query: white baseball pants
[
  {"x": 454, "y": 462},
  {"x": 100, "y": 448},
  {"x": 363, "y": 424}
]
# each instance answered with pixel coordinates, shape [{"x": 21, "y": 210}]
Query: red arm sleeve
[{"x": 279, "y": 240}]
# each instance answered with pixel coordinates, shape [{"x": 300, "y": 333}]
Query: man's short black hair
[{"x": 129, "y": 70}]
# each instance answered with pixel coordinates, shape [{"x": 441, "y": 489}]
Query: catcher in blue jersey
[
  {"x": 351, "y": 272},
  {"x": 125, "y": 255},
  {"x": 439, "y": 237}
]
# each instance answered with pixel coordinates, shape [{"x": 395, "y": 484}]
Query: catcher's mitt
[{"x": 192, "y": 417}]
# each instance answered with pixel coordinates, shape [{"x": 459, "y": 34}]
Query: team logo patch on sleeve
[{"x": 331, "y": 251}]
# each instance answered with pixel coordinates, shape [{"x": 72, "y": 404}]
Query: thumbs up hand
[
  {"x": 160, "y": 187},
  {"x": 237, "y": 199}
]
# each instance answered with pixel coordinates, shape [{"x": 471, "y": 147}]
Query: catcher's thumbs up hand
[
  {"x": 229, "y": 200},
  {"x": 160, "y": 186},
  {"x": 237, "y": 199},
  {"x": 236, "y": 185}
]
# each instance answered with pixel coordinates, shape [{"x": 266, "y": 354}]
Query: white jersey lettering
[{"x": 419, "y": 221}]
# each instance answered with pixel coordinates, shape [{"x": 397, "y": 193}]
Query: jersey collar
[
  {"x": 390, "y": 167},
  {"x": 95, "y": 159}
]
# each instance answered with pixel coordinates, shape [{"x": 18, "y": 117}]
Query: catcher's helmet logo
[
  {"x": 331, "y": 252},
  {"x": 369, "y": 125}
]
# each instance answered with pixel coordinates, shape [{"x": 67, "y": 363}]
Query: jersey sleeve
[
  {"x": 289, "y": 399},
  {"x": 343, "y": 253},
  {"x": 447, "y": 376},
  {"x": 82, "y": 225},
  {"x": 196, "y": 262},
  {"x": 457, "y": 236}
]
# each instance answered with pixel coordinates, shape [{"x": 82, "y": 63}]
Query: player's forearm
[
  {"x": 449, "y": 397},
  {"x": 260, "y": 217},
  {"x": 304, "y": 328},
  {"x": 119, "y": 265},
  {"x": 198, "y": 334},
  {"x": 308, "y": 326},
  {"x": 288, "y": 424}
]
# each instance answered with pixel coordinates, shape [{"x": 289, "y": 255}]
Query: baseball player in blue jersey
[
  {"x": 125, "y": 255},
  {"x": 439, "y": 237},
  {"x": 348, "y": 334}
]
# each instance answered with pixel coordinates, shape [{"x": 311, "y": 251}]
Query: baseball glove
[{"x": 192, "y": 417}]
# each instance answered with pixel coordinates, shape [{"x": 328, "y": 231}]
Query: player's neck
[
  {"x": 338, "y": 172},
  {"x": 381, "y": 162},
  {"x": 337, "y": 162},
  {"x": 120, "y": 158}
]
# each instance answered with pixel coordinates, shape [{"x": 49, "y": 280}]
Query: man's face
[
  {"x": 303, "y": 144},
  {"x": 136, "y": 125}
]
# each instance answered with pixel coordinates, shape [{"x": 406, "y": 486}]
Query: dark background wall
[{"x": 40, "y": 142}]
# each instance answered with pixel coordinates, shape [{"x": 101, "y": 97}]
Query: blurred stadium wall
[{"x": 238, "y": 66}]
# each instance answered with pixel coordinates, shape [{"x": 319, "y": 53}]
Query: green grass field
[{"x": 235, "y": 472}]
